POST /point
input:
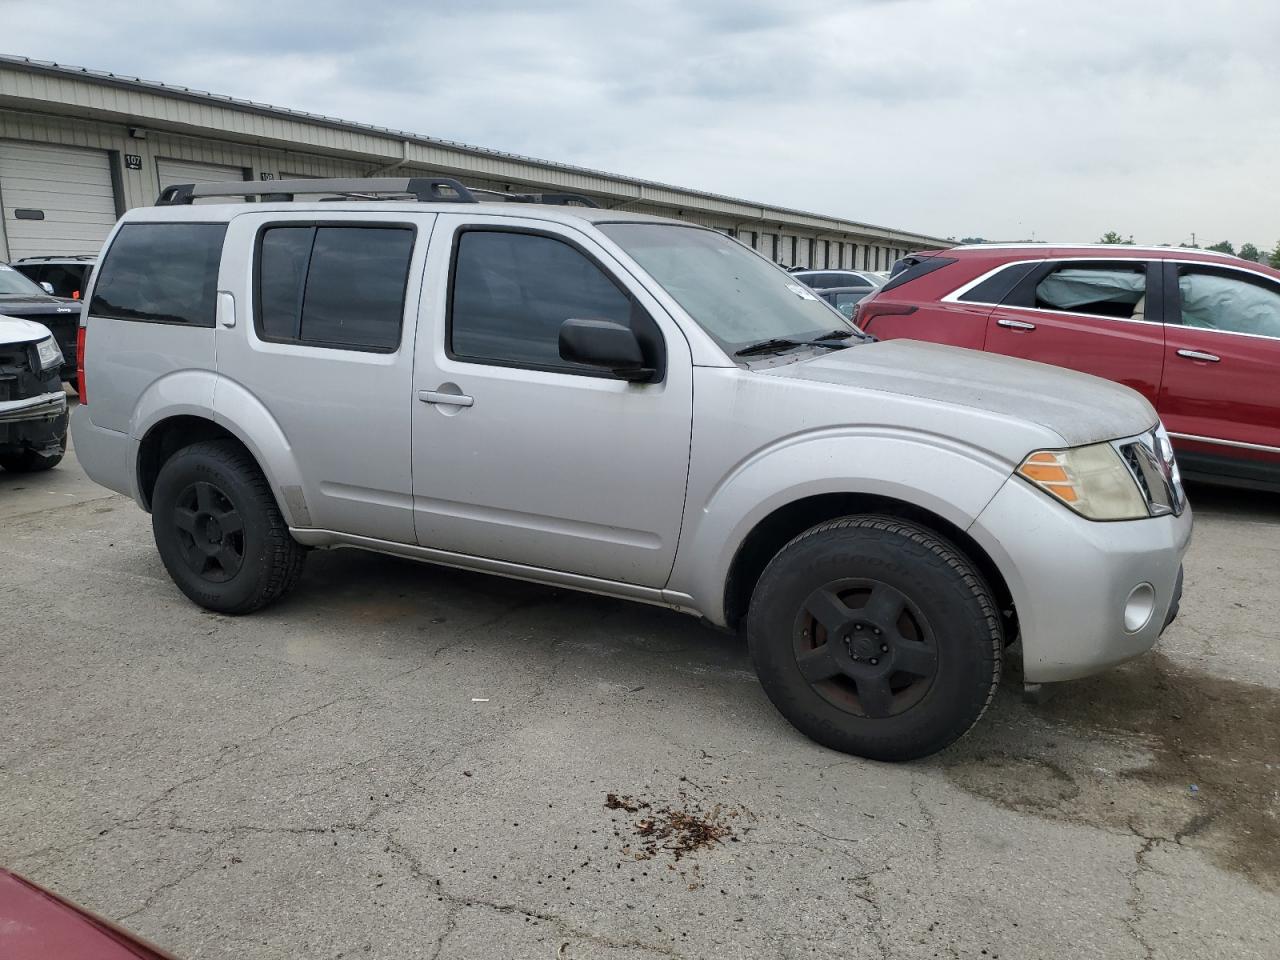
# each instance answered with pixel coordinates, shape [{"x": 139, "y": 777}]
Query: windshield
[
  {"x": 14, "y": 284},
  {"x": 739, "y": 298}
]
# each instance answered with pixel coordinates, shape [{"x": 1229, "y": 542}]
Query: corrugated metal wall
[{"x": 801, "y": 240}]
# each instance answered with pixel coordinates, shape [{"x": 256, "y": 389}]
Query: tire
[
  {"x": 219, "y": 530},
  {"x": 924, "y": 643},
  {"x": 29, "y": 461}
]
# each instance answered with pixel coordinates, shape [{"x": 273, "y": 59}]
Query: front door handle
[
  {"x": 1015, "y": 324},
  {"x": 1198, "y": 355},
  {"x": 449, "y": 399}
]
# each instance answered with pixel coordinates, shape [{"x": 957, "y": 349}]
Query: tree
[
  {"x": 1274, "y": 258},
  {"x": 1249, "y": 252},
  {"x": 1223, "y": 247},
  {"x": 1112, "y": 237}
]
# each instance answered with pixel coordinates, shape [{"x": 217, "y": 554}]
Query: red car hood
[{"x": 38, "y": 925}]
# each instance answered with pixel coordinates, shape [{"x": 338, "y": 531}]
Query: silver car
[{"x": 630, "y": 406}]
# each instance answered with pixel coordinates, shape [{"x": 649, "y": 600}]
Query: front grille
[
  {"x": 1156, "y": 478},
  {"x": 15, "y": 358},
  {"x": 20, "y": 377}
]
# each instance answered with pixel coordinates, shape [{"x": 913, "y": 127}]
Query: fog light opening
[{"x": 1139, "y": 607}]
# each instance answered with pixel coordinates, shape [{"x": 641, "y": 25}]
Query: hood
[
  {"x": 1076, "y": 406},
  {"x": 15, "y": 330}
]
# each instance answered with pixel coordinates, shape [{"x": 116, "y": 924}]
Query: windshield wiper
[
  {"x": 837, "y": 335},
  {"x": 774, "y": 344}
]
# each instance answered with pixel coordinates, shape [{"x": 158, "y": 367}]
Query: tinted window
[
  {"x": 991, "y": 290},
  {"x": 333, "y": 286},
  {"x": 161, "y": 273},
  {"x": 282, "y": 275},
  {"x": 512, "y": 291},
  {"x": 1218, "y": 301},
  {"x": 1105, "y": 291},
  {"x": 67, "y": 280}
]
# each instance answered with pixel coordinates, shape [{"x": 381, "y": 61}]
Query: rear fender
[{"x": 192, "y": 393}]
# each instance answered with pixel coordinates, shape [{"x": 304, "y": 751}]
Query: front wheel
[
  {"x": 219, "y": 531},
  {"x": 876, "y": 637}
]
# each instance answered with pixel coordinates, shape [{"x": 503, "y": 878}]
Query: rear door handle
[
  {"x": 449, "y": 399},
  {"x": 1015, "y": 324},
  {"x": 1198, "y": 355}
]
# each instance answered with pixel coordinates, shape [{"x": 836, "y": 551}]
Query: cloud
[{"x": 992, "y": 117}]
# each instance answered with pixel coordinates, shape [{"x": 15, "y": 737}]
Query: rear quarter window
[
  {"x": 161, "y": 273},
  {"x": 914, "y": 269}
]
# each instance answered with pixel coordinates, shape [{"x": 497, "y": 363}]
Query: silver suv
[{"x": 630, "y": 406}]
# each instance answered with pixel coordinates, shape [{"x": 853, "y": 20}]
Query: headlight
[
  {"x": 49, "y": 354},
  {"x": 1093, "y": 481}
]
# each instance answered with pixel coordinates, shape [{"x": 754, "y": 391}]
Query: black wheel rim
[
  {"x": 865, "y": 647},
  {"x": 210, "y": 532}
]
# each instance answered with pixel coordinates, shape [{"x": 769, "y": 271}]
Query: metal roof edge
[{"x": 201, "y": 96}]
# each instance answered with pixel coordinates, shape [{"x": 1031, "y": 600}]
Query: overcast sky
[{"x": 1005, "y": 119}]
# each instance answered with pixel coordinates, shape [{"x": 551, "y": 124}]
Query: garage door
[
  {"x": 186, "y": 171},
  {"x": 56, "y": 200}
]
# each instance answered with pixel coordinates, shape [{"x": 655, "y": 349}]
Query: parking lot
[{"x": 401, "y": 760}]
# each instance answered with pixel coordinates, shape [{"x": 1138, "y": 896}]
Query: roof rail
[
  {"x": 55, "y": 256},
  {"x": 422, "y": 189},
  {"x": 551, "y": 199}
]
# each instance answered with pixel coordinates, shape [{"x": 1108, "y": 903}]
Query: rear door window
[
  {"x": 161, "y": 273},
  {"x": 1118, "y": 290},
  {"x": 333, "y": 285}
]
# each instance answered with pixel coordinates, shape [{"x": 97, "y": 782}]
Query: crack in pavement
[
  {"x": 155, "y": 895},
  {"x": 565, "y": 926},
  {"x": 931, "y": 822}
]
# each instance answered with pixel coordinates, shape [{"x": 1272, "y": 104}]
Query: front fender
[{"x": 934, "y": 473}]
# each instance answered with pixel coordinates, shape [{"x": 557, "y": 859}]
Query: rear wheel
[
  {"x": 219, "y": 531},
  {"x": 876, "y": 637}
]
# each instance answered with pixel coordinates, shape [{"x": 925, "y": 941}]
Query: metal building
[{"x": 79, "y": 147}]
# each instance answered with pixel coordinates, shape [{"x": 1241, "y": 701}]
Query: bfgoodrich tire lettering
[
  {"x": 876, "y": 637},
  {"x": 219, "y": 531}
]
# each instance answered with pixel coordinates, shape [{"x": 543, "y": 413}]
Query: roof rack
[
  {"x": 421, "y": 189},
  {"x": 553, "y": 199},
  {"x": 64, "y": 256}
]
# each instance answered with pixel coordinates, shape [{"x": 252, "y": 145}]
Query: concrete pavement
[{"x": 405, "y": 761}]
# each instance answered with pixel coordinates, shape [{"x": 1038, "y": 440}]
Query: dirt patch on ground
[
  {"x": 677, "y": 829},
  {"x": 1186, "y": 758}
]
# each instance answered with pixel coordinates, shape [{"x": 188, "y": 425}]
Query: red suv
[{"x": 1198, "y": 334}]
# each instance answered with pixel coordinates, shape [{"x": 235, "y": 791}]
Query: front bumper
[
  {"x": 39, "y": 422},
  {"x": 1071, "y": 579}
]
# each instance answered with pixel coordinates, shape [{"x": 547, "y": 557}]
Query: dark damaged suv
[
  {"x": 20, "y": 297},
  {"x": 33, "y": 405}
]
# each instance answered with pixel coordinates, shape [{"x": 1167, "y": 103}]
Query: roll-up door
[
  {"x": 55, "y": 199},
  {"x": 188, "y": 171}
]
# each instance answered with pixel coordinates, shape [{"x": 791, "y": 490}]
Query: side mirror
[
  {"x": 47, "y": 287},
  {"x": 603, "y": 343}
]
